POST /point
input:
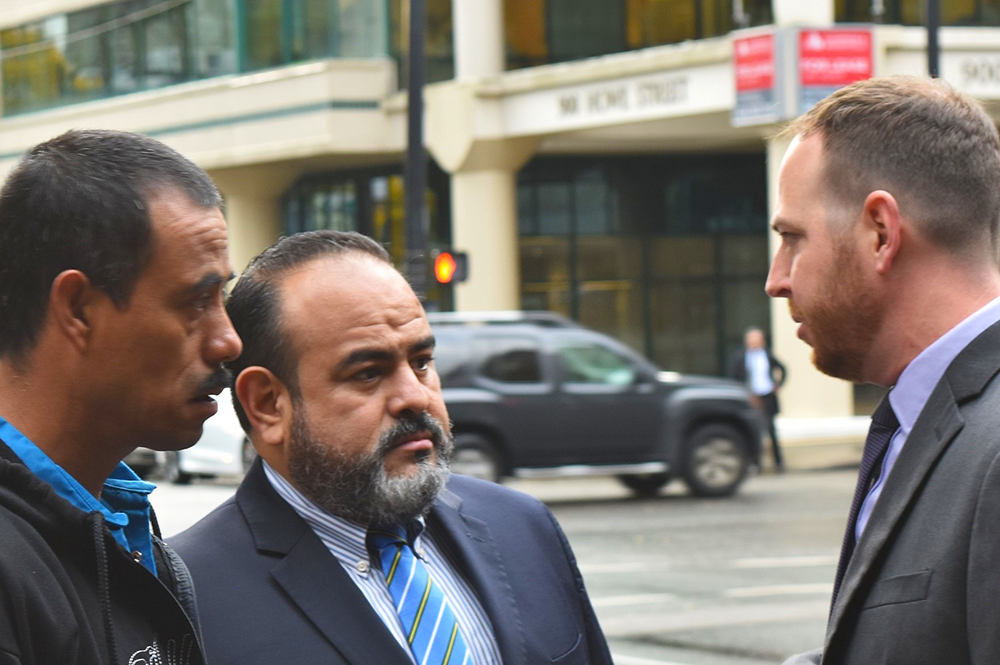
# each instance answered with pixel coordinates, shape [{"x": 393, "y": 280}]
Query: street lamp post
[
  {"x": 933, "y": 8},
  {"x": 415, "y": 171}
]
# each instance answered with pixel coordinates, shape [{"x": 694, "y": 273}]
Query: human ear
[
  {"x": 71, "y": 307},
  {"x": 882, "y": 219},
  {"x": 267, "y": 403}
]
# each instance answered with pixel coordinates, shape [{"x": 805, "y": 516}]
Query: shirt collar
[
  {"x": 122, "y": 487},
  {"x": 922, "y": 375},
  {"x": 347, "y": 536}
]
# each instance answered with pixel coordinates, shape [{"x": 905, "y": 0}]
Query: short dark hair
[
  {"x": 254, "y": 306},
  {"x": 81, "y": 202},
  {"x": 933, "y": 148}
]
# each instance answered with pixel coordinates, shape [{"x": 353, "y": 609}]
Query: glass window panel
[
  {"x": 676, "y": 256},
  {"x": 361, "y": 29},
  {"x": 684, "y": 332},
  {"x": 124, "y": 43},
  {"x": 87, "y": 50},
  {"x": 524, "y": 27},
  {"x": 554, "y": 200},
  {"x": 596, "y": 204},
  {"x": 510, "y": 360},
  {"x": 584, "y": 28},
  {"x": 613, "y": 308},
  {"x": 742, "y": 255},
  {"x": 603, "y": 258},
  {"x": 595, "y": 364},
  {"x": 263, "y": 33},
  {"x": 215, "y": 51},
  {"x": 166, "y": 48},
  {"x": 744, "y": 304}
]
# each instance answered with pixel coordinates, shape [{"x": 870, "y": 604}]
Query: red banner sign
[
  {"x": 834, "y": 58},
  {"x": 754, "y": 61}
]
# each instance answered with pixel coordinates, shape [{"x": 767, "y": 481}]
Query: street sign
[
  {"x": 829, "y": 59},
  {"x": 758, "y": 74}
]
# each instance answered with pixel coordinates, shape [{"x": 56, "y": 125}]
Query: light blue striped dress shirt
[
  {"x": 914, "y": 388},
  {"x": 346, "y": 542}
]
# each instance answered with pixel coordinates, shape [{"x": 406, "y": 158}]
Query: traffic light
[{"x": 451, "y": 267}]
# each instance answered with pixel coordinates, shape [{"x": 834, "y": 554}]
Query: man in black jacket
[
  {"x": 763, "y": 375},
  {"x": 113, "y": 259}
]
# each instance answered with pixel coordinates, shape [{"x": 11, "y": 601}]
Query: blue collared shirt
[
  {"x": 124, "y": 499},
  {"x": 914, "y": 388},
  {"x": 346, "y": 542}
]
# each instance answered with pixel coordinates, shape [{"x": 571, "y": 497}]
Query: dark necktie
[
  {"x": 428, "y": 620},
  {"x": 884, "y": 425}
]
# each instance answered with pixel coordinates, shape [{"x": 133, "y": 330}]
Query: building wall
[{"x": 521, "y": 96}]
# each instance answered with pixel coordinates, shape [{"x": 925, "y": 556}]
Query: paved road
[{"x": 676, "y": 580}]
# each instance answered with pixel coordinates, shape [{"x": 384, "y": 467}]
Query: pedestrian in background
[
  {"x": 347, "y": 542},
  {"x": 763, "y": 375},
  {"x": 113, "y": 259},
  {"x": 888, "y": 207}
]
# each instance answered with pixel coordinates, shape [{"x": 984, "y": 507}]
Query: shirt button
[
  {"x": 362, "y": 566},
  {"x": 137, "y": 555},
  {"x": 422, "y": 552}
]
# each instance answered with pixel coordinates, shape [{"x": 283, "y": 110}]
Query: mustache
[
  {"x": 215, "y": 382},
  {"x": 409, "y": 424}
]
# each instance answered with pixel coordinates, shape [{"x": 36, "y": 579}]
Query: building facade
[{"x": 588, "y": 155}]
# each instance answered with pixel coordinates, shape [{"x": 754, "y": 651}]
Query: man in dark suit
[
  {"x": 347, "y": 542},
  {"x": 763, "y": 375},
  {"x": 888, "y": 206}
]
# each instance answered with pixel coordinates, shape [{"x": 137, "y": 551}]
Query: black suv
[{"x": 533, "y": 394}]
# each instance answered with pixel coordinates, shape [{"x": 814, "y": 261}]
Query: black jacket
[{"x": 70, "y": 595}]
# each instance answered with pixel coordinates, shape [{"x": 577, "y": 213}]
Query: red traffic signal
[{"x": 451, "y": 267}]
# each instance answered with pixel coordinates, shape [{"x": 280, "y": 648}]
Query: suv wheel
[
  {"x": 646, "y": 484},
  {"x": 715, "y": 461},
  {"x": 172, "y": 469},
  {"x": 475, "y": 456}
]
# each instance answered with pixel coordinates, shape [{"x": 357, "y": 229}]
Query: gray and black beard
[{"x": 358, "y": 488}]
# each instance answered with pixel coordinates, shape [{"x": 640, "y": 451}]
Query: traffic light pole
[{"x": 415, "y": 170}]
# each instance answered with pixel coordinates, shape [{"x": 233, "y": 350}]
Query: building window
[
  {"x": 132, "y": 45},
  {"x": 114, "y": 49},
  {"x": 439, "y": 51},
  {"x": 372, "y": 202},
  {"x": 911, "y": 12},
  {"x": 539, "y": 32},
  {"x": 669, "y": 255}
]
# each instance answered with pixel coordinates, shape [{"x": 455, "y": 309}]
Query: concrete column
[
  {"x": 254, "y": 225},
  {"x": 808, "y": 393},
  {"x": 484, "y": 210},
  {"x": 479, "y": 38},
  {"x": 817, "y": 13},
  {"x": 253, "y": 208}
]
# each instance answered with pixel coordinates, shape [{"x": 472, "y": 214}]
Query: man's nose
[
  {"x": 777, "y": 285},
  {"x": 409, "y": 393}
]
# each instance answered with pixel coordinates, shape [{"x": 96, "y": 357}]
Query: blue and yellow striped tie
[{"x": 428, "y": 620}]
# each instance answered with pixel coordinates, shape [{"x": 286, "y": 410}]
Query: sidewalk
[{"x": 821, "y": 443}]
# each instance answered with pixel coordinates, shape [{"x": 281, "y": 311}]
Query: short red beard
[{"x": 843, "y": 321}]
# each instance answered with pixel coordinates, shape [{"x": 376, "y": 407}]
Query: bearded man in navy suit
[{"x": 337, "y": 390}]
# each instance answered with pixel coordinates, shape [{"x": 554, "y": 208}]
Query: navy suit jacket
[{"x": 270, "y": 592}]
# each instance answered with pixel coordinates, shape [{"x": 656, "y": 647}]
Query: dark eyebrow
[
  {"x": 210, "y": 281},
  {"x": 368, "y": 355}
]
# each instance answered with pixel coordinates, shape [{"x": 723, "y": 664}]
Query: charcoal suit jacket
[
  {"x": 923, "y": 585},
  {"x": 270, "y": 592}
]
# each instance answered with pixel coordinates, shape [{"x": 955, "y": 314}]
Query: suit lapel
[
  {"x": 478, "y": 554},
  {"x": 937, "y": 425},
  {"x": 314, "y": 579}
]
